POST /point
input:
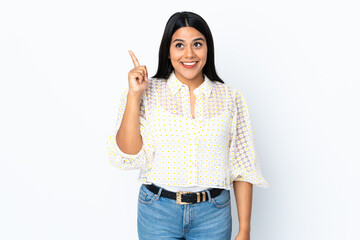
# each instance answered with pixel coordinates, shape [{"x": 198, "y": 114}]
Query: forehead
[{"x": 187, "y": 33}]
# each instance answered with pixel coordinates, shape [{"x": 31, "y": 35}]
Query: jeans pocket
[
  {"x": 223, "y": 200},
  {"x": 146, "y": 196}
]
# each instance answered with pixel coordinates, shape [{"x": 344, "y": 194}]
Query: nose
[{"x": 189, "y": 52}]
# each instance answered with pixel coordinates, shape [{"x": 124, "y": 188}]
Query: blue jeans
[{"x": 162, "y": 218}]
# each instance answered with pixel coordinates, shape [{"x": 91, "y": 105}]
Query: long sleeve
[
  {"x": 123, "y": 160},
  {"x": 243, "y": 158}
]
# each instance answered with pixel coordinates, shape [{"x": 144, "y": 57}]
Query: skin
[
  {"x": 243, "y": 195},
  {"x": 138, "y": 76},
  {"x": 189, "y": 45},
  {"x": 128, "y": 137}
]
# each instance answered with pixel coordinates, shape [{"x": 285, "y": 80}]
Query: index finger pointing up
[{"x": 134, "y": 59}]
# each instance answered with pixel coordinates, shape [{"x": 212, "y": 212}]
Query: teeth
[{"x": 189, "y": 64}]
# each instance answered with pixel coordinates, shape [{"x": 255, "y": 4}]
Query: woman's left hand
[{"x": 243, "y": 236}]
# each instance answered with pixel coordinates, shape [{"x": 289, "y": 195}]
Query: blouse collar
[{"x": 175, "y": 85}]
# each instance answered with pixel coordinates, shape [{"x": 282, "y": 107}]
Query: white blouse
[{"x": 209, "y": 151}]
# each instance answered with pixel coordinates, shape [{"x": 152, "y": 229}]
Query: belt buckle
[{"x": 178, "y": 197}]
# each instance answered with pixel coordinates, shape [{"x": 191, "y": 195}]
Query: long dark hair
[{"x": 176, "y": 21}]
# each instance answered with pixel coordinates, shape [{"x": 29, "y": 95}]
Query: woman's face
[{"x": 188, "y": 52}]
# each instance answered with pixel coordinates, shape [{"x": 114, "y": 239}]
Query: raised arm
[
  {"x": 125, "y": 145},
  {"x": 128, "y": 137}
]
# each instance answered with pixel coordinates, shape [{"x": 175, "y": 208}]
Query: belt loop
[
  {"x": 209, "y": 196},
  {"x": 159, "y": 192}
]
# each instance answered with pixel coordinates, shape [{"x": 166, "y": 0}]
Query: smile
[{"x": 189, "y": 64}]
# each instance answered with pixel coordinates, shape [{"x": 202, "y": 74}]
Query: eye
[
  {"x": 197, "y": 44},
  {"x": 178, "y": 45}
]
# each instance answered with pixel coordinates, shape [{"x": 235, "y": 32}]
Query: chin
[{"x": 189, "y": 74}]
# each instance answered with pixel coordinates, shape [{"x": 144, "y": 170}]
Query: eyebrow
[{"x": 196, "y": 39}]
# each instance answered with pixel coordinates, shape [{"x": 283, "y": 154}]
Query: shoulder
[
  {"x": 232, "y": 92},
  {"x": 153, "y": 85}
]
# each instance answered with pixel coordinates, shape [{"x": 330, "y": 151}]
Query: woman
[{"x": 190, "y": 135}]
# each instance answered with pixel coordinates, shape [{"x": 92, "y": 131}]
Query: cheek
[
  {"x": 203, "y": 54},
  {"x": 204, "y": 57}
]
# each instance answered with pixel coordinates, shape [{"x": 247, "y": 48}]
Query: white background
[{"x": 63, "y": 65}]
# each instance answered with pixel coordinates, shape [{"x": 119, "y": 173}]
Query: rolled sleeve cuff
[{"x": 255, "y": 179}]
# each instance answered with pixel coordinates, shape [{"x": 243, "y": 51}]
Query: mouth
[{"x": 189, "y": 64}]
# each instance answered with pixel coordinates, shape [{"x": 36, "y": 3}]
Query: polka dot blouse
[{"x": 211, "y": 150}]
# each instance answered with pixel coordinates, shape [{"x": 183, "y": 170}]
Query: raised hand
[{"x": 138, "y": 76}]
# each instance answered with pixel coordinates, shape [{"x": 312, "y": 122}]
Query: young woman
[{"x": 190, "y": 135}]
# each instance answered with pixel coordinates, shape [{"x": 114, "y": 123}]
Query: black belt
[{"x": 182, "y": 197}]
